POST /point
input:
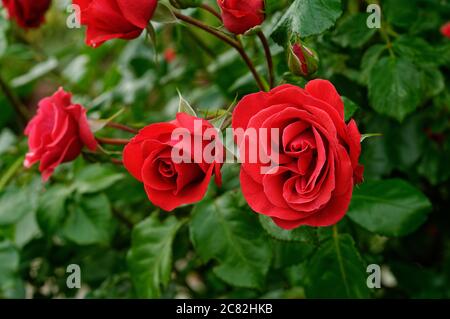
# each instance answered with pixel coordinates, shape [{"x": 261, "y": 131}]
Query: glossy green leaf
[
  {"x": 369, "y": 59},
  {"x": 303, "y": 234},
  {"x": 306, "y": 18},
  {"x": 95, "y": 178},
  {"x": 350, "y": 108},
  {"x": 353, "y": 31},
  {"x": 89, "y": 220},
  {"x": 226, "y": 231},
  {"x": 52, "y": 208},
  {"x": 417, "y": 50},
  {"x": 150, "y": 256},
  {"x": 336, "y": 270},
  {"x": 390, "y": 207},
  {"x": 394, "y": 87}
]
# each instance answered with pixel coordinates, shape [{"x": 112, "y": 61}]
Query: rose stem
[
  {"x": 112, "y": 141},
  {"x": 117, "y": 161},
  {"x": 211, "y": 10},
  {"x": 21, "y": 109},
  {"x": 122, "y": 218},
  {"x": 266, "y": 46},
  {"x": 235, "y": 44},
  {"x": 122, "y": 127}
]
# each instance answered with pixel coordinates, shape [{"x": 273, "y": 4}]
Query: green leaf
[
  {"x": 350, "y": 108},
  {"x": 52, "y": 208},
  {"x": 401, "y": 13},
  {"x": 433, "y": 81},
  {"x": 26, "y": 229},
  {"x": 303, "y": 234},
  {"x": 185, "y": 107},
  {"x": 89, "y": 220},
  {"x": 417, "y": 50},
  {"x": 353, "y": 31},
  {"x": 287, "y": 254},
  {"x": 227, "y": 231},
  {"x": 306, "y": 18},
  {"x": 38, "y": 71},
  {"x": 17, "y": 202},
  {"x": 13, "y": 205},
  {"x": 370, "y": 58},
  {"x": 336, "y": 270},
  {"x": 394, "y": 87},
  {"x": 164, "y": 14},
  {"x": 389, "y": 207},
  {"x": 370, "y": 135},
  {"x": 150, "y": 256},
  {"x": 95, "y": 178},
  {"x": 10, "y": 284}
]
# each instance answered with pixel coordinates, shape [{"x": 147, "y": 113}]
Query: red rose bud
[
  {"x": 445, "y": 30},
  {"x": 169, "y": 159},
  {"x": 302, "y": 61},
  {"x": 114, "y": 19},
  {"x": 27, "y": 13},
  {"x": 240, "y": 16},
  {"x": 184, "y": 4},
  {"x": 57, "y": 133},
  {"x": 170, "y": 55},
  {"x": 318, "y": 156}
]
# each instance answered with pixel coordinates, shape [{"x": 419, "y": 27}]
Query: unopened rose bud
[
  {"x": 302, "y": 60},
  {"x": 184, "y": 4}
]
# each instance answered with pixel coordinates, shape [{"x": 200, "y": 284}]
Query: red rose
[
  {"x": 27, "y": 13},
  {"x": 57, "y": 133},
  {"x": 170, "y": 55},
  {"x": 445, "y": 30},
  {"x": 169, "y": 182},
  {"x": 318, "y": 155},
  {"x": 240, "y": 16},
  {"x": 114, "y": 19}
]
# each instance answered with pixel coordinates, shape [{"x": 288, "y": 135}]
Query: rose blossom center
[{"x": 165, "y": 168}]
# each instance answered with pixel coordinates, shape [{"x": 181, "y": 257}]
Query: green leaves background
[{"x": 395, "y": 82}]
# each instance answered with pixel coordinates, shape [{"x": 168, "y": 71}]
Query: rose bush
[{"x": 298, "y": 220}]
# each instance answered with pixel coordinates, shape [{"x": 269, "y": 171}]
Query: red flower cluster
[
  {"x": 312, "y": 171},
  {"x": 311, "y": 182}
]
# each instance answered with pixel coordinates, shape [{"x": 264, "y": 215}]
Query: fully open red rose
[
  {"x": 27, "y": 13},
  {"x": 114, "y": 19},
  {"x": 57, "y": 133},
  {"x": 317, "y": 167},
  {"x": 240, "y": 16},
  {"x": 170, "y": 183},
  {"x": 445, "y": 30}
]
